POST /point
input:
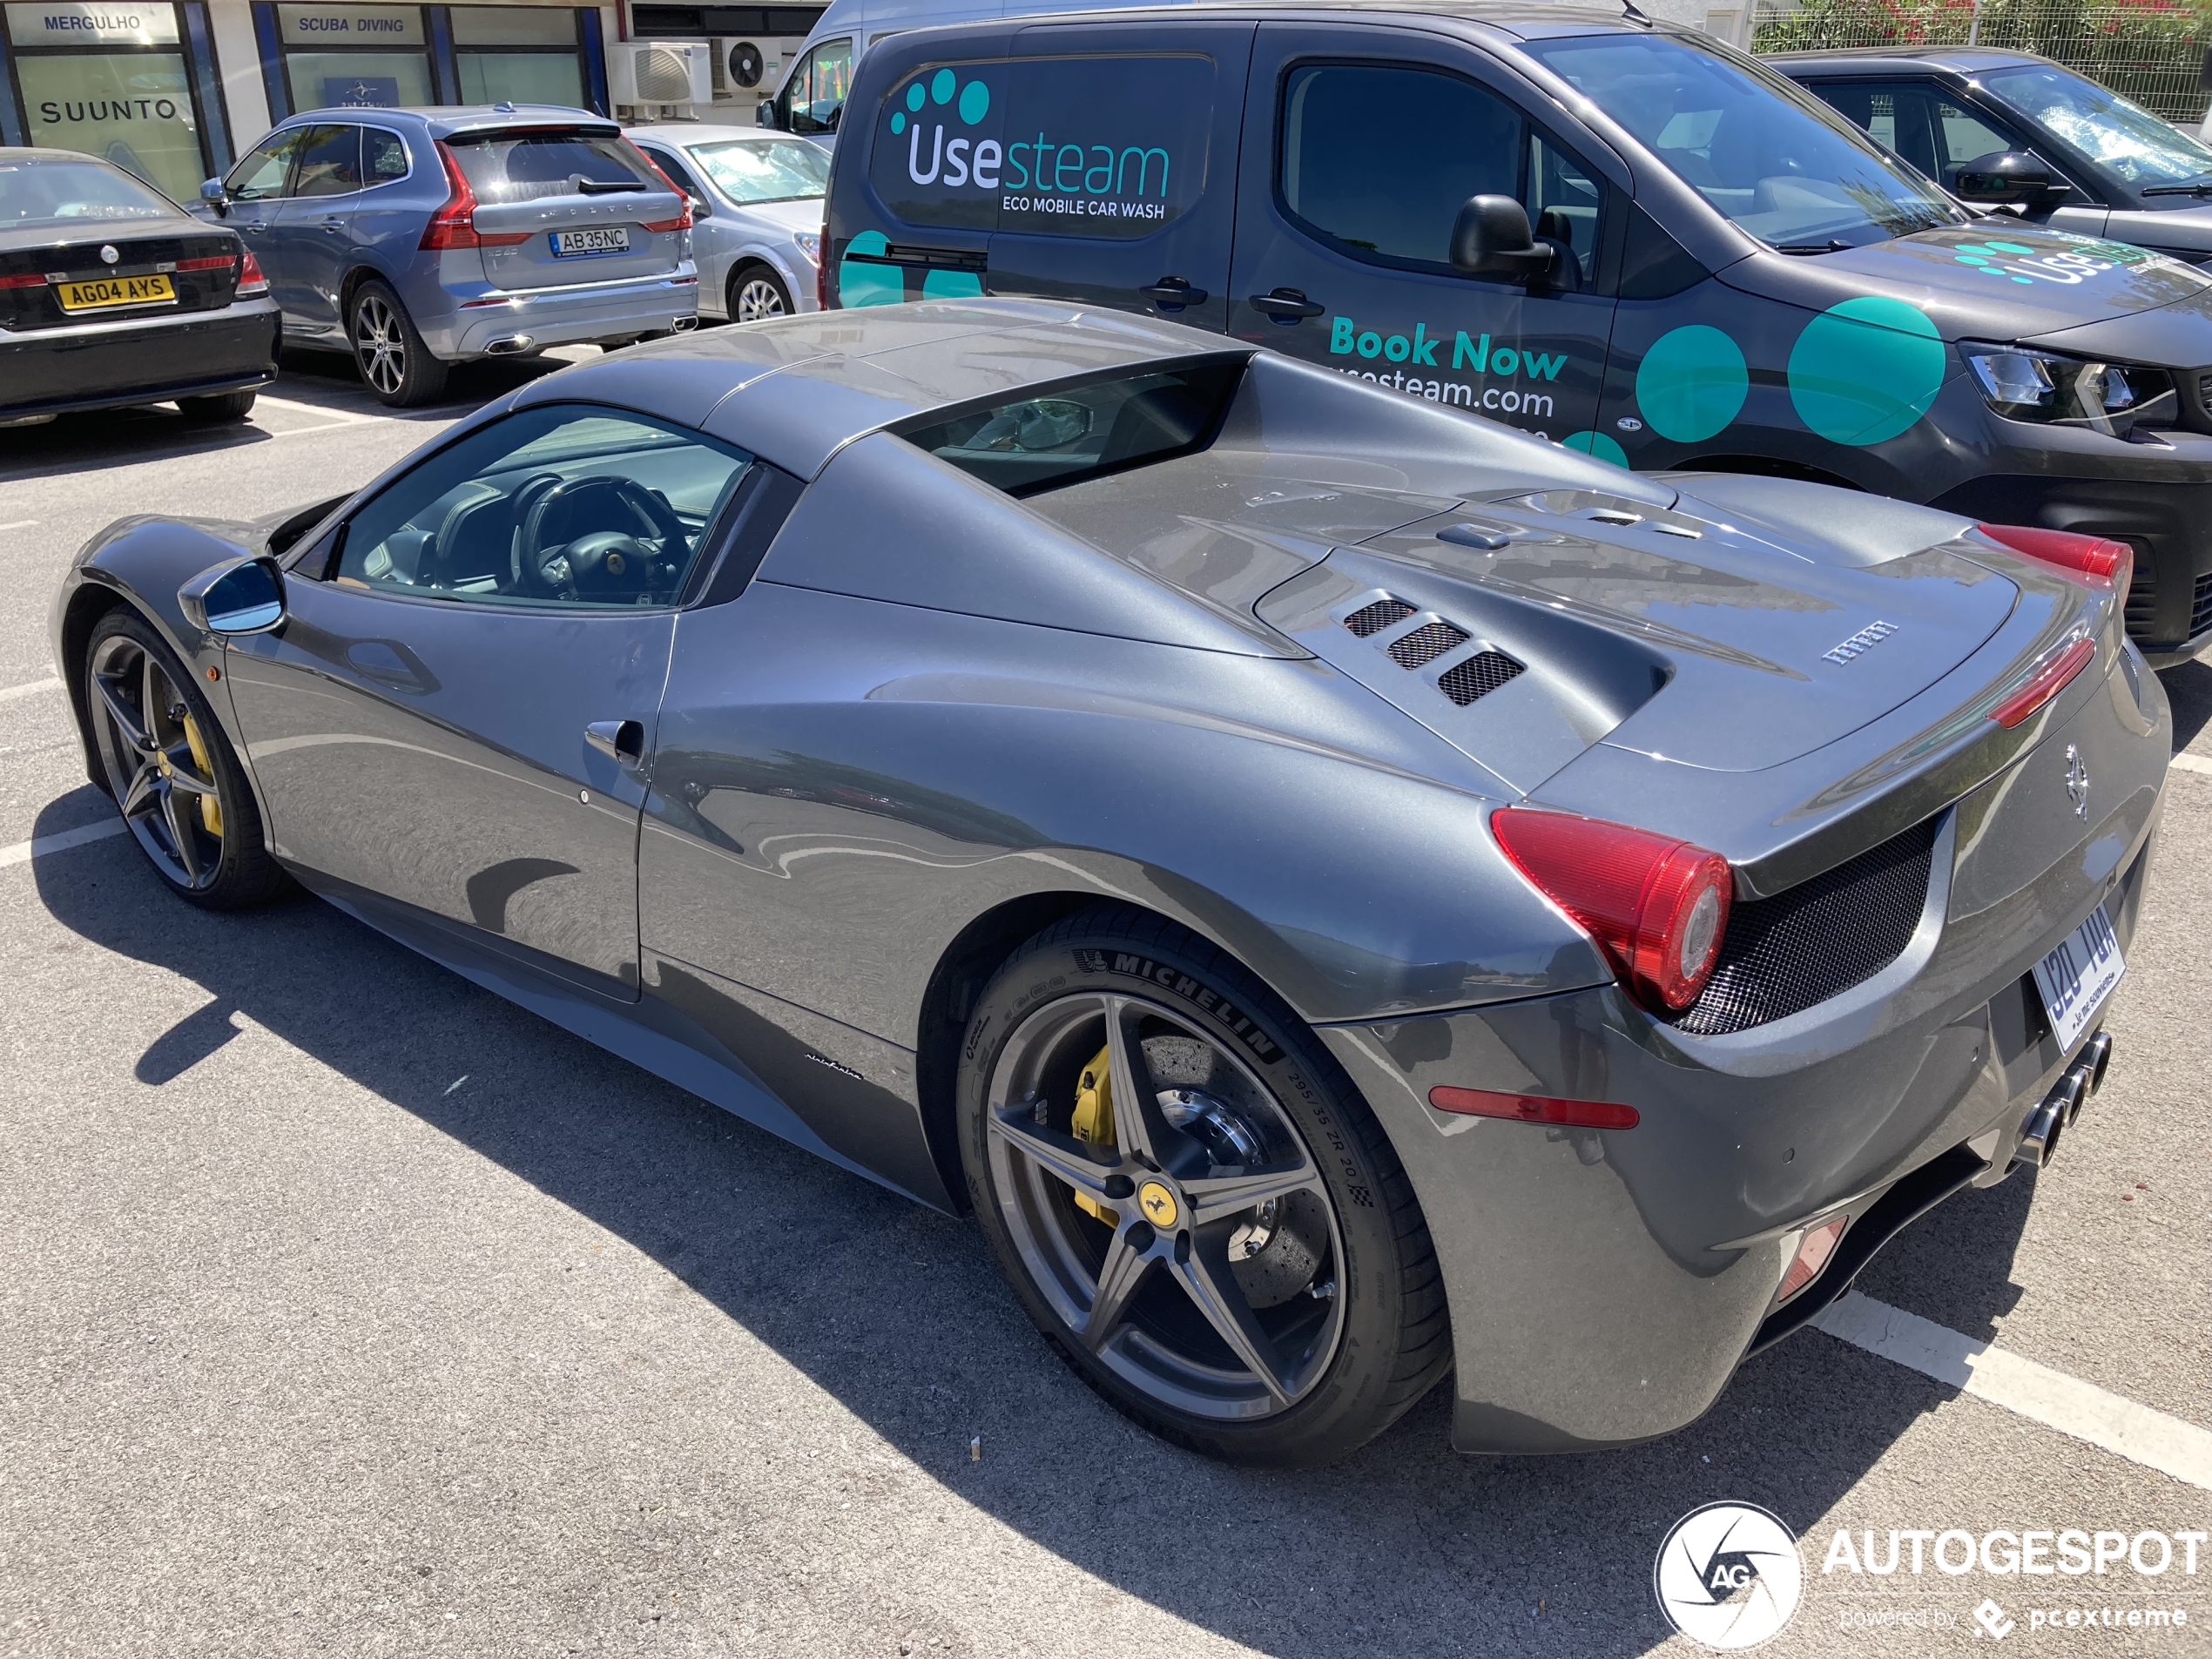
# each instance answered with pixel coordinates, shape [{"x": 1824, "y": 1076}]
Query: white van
[{"x": 811, "y": 97}]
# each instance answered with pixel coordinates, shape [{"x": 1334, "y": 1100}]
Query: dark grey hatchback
[{"x": 112, "y": 294}]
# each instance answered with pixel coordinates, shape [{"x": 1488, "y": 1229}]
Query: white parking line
[
  {"x": 2192, "y": 763},
  {"x": 2072, "y": 1406},
  {"x": 342, "y": 417},
  {"x": 29, "y": 688},
  {"x": 61, "y": 841},
  {"x": 21, "y": 525}
]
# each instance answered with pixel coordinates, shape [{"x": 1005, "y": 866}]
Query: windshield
[
  {"x": 2128, "y": 142},
  {"x": 779, "y": 170},
  {"x": 1784, "y": 167},
  {"x": 527, "y": 167},
  {"x": 73, "y": 193}
]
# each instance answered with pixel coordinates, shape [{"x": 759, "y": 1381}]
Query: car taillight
[
  {"x": 2050, "y": 678},
  {"x": 683, "y": 220},
  {"x": 2102, "y": 561},
  {"x": 212, "y": 262},
  {"x": 250, "y": 279},
  {"x": 36, "y": 280},
  {"x": 1534, "y": 1108},
  {"x": 1657, "y": 906},
  {"x": 455, "y": 224}
]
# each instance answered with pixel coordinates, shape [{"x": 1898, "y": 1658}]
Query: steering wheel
[{"x": 612, "y": 561}]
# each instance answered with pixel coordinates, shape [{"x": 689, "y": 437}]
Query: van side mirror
[
  {"x": 1491, "y": 238},
  {"x": 768, "y": 116},
  {"x": 2008, "y": 176},
  {"x": 215, "y": 196},
  {"x": 242, "y": 596}
]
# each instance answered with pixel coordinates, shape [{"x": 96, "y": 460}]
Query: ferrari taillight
[
  {"x": 2103, "y": 563},
  {"x": 1657, "y": 906}
]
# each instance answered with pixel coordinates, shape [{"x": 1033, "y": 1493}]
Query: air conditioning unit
[
  {"x": 646, "y": 73},
  {"x": 747, "y": 70}
]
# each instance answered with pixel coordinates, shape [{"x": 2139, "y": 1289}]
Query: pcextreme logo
[{"x": 1729, "y": 1577}]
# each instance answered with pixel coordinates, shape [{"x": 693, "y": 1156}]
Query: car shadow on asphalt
[
  {"x": 899, "y": 1313},
  {"x": 2189, "y": 688}
]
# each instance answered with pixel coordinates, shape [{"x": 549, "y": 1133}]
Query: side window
[
  {"x": 1897, "y": 117},
  {"x": 1562, "y": 203},
  {"x": 383, "y": 155},
  {"x": 1966, "y": 137},
  {"x": 1379, "y": 160},
  {"x": 567, "y": 504},
  {"x": 817, "y": 87},
  {"x": 260, "y": 177},
  {"x": 679, "y": 175},
  {"x": 330, "y": 162}
]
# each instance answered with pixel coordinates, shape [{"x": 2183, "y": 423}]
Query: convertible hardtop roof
[{"x": 795, "y": 390}]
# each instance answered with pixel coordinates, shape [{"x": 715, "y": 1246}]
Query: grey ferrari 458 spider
[{"x": 1344, "y": 891}]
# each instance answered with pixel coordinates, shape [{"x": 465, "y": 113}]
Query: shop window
[
  {"x": 114, "y": 86},
  {"x": 518, "y": 55},
  {"x": 354, "y": 57}
]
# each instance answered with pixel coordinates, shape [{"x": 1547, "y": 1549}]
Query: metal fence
[{"x": 2152, "y": 52}]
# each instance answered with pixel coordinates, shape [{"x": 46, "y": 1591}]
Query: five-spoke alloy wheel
[
  {"x": 1139, "y": 1125},
  {"x": 171, "y": 771},
  {"x": 394, "y": 362}
]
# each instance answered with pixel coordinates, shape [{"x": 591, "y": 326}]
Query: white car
[{"x": 756, "y": 211}]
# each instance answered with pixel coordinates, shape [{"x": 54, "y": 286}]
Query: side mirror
[
  {"x": 215, "y": 196},
  {"x": 700, "y": 208},
  {"x": 242, "y": 596},
  {"x": 2008, "y": 176},
  {"x": 1491, "y": 238},
  {"x": 767, "y": 116}
]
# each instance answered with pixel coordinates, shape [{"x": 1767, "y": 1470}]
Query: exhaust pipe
[
  {"x": 2055, "y": 1113},
  {"x": 684, "y": 325},
  {"x": 507, "y": 345}
]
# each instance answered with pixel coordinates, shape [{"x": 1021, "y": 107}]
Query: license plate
[
  {"x": 103, "y": 291},
  {"x": 569, "y": 244},
  {"x": 2077, "y": 976}
]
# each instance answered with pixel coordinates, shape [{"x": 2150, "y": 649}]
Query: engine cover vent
[
  {"x": 1372, "y": 619},
  {"x": 1478, "y": 676},
  {"x": 1427, "y": 643}
]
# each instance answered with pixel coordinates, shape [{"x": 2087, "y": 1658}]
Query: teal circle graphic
[
  {"x": 868, "y": 285},
  {"x": 975, "y": 100},
  {"x": 1598, "y": 446},
  {"x": 2010, "y": 247},
  {"x": 916, "y": 97},
  {"x": 941, "y": 86},
  {"x": 1692, "y": 383},
  {"x": 898, "y": 122},
  {"x": 1866, "y": 370}
]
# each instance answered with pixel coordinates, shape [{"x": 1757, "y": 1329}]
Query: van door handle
[
  {"x": 1173, "y": 293},
  {"x": 1286, "y": 305},
  {"x": 333, "y": 225},
  {"x": 623, "y": 740}
]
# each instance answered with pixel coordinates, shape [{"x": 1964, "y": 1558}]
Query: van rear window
[
  {"x": 524, "y": 167},
  {"x": 1064, "y": 434}
]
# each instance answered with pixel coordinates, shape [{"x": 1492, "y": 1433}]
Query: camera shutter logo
[{"x": 1729, "y": 1577}]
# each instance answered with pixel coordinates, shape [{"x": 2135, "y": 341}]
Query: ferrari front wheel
[
  {"x": 170, "y": 770},
  {"x": 1192, "y": 1200}
]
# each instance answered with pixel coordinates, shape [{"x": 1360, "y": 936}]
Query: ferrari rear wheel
[
  {"x": 1191, "y": 1198},
  {"x": 171, "y": 771}
]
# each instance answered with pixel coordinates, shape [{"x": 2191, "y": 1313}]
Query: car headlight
[
  {"x": 2055, "y": 390},
  {"x": 810, "y": 244}
]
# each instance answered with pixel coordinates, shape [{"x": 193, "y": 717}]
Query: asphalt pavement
[{"x": 347, "y": 1309}]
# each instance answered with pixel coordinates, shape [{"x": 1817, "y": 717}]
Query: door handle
[
  {"x": 1173, "y": 293},
  {"x": 333, "y": 225},
  {"x": 623, "y": 740},
  {"x": 1286, "y": 305}
]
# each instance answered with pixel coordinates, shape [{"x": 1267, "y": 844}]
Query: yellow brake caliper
[
  {"x": 1094, "y": 1120},
  {"x": 211, "y": 814}
]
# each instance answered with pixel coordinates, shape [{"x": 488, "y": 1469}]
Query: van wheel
[
  {"x": 1191, "y": 1198},
  {"x": 394, "y": 362},
  {"x": 224, "y": 406},
  {"x": 756, "y": 292}
]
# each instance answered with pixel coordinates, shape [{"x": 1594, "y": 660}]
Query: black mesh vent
[
  {"x": 2205, "y": 393},
  {"x": 1478, "y": 676},
  {"x": 2143, "y": 602},
  {"x": 1426, "y": 644},
  {"x": 1372, "y": 619},
  {"x": 1782, "y": 955},
  {"x": 2201, "y": 607}
]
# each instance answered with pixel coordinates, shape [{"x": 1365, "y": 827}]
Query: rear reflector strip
[
  {"x": 1534, "y": 1109},
  {"x": 2044, "y": 683},
  {"x": 213, "y": 262}
]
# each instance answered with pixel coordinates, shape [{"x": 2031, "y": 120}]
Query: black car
[
  {"x": 2009, "y": 127},
  {"x": 112, "y": 294}
]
